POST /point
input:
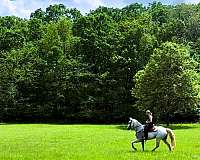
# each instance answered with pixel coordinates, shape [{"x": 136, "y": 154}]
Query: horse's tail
[{"x": 172, "y": 137}]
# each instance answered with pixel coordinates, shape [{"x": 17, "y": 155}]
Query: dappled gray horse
[{"x": 159, "y": 133}]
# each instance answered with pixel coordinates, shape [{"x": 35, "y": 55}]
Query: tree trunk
[{"x": 167, "y": 119}]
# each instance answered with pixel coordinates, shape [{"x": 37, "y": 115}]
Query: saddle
[{"x": 153, "y": 129}]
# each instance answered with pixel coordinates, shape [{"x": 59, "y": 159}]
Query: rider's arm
[{"x": 150, "y": 119}]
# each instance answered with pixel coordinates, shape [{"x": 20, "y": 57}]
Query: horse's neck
[
  {"x": 139, "y": 124},
  {"x": 140, "y": 127}
]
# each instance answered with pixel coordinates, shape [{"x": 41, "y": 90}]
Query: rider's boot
[{"x": 146, "y": 135}]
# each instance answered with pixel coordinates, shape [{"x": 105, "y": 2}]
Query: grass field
[{"x": 90, "y": 142}]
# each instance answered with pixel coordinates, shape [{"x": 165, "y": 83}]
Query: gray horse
[{"x": 160, "y": 133}]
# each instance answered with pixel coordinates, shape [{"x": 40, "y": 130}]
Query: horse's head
[{"x": 133, "y": 124}]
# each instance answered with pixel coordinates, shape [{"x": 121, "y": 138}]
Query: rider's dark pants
[{"x": 147, "y": 127}]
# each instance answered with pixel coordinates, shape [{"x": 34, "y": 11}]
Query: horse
[{"x": 159, "y": 133}]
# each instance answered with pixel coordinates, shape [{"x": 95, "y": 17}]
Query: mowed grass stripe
[{"x": 86, "y": 142}]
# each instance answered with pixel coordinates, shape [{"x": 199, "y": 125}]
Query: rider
[{"x": 149, "y": 124}]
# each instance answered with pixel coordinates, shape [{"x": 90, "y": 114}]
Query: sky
[{"x": 23, "y": 8}]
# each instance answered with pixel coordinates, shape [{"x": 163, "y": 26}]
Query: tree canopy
[
  {"x": 100, "y": 67},
  {"x": 169, "y": 82}
]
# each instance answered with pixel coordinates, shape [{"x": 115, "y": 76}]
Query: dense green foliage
[
  {"x": 61, "y": 65},
  {"x": 168, "y": 82},
  {"x": 98, "y": 142}
]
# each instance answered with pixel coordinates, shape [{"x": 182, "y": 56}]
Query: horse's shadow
[
  {"x": 132, "y": 151},
  {"x": 140, "y": 151}
]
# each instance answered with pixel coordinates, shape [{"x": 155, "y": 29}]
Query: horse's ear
[{"x": 130, "y": 118}]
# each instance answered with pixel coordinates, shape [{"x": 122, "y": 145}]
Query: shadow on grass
[
  {"x": 176, "y": 127},
  {"x": 173, "y": 127},
  {"x": 122, "y": 127},
  {"x": 140, "y": 151},
  {"x": 48, "y": 123}
]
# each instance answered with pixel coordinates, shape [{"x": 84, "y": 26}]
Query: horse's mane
[{"x": 137, "y": 121}]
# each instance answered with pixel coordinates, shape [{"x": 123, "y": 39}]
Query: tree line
[{"x": 100, "y": 67}]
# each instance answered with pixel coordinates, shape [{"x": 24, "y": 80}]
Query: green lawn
[{"x": 87, "y": 142}]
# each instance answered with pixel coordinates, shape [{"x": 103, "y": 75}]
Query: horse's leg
[
  {"x": 136, "y": 141},
  {"x": 167, "y": 143},
  {"x": 157, "y": 144},
  {"x": 142, "y": 144}
]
